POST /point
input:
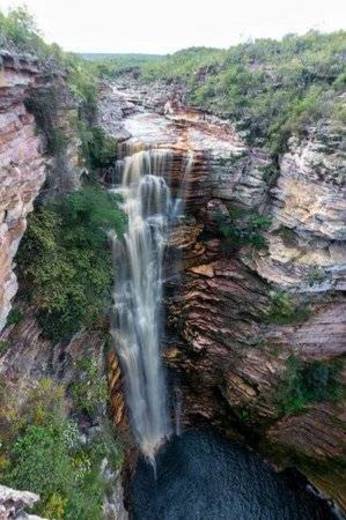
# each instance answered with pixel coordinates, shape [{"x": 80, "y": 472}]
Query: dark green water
[{"x": 201, "y": 476}]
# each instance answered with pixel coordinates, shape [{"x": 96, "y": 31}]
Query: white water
[{"x": 137, "y": 295}]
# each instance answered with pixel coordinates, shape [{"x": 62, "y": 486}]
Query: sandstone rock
[
  {"x": 113, "y": 505},
  {"x": 31, "y": 357},
  {"x": 23, "y": 167},
  {"x": 308, "y": 207},
  {"x": 231, "y": 360}
]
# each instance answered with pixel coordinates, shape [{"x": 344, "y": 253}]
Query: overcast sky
[{"x": 158, "y": 26}]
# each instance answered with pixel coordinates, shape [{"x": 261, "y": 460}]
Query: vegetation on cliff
[
  {"x": 269, "y": 89},
  {"x": 307, "y": 383},
  {"x": 19, "y": 33},
  {"x": 65, "y": 263},
  {"x": 42, "y": 450},
  {"x": 283, "y": 309},
  {"x": 241, "y": 227}
]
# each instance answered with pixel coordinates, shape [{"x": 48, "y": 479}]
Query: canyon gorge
[{"x": 240, "y": 254}]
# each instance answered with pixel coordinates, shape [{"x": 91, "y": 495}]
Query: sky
[{"x": 156, "y": 26}]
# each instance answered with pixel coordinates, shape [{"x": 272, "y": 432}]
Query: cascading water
[{"x": 137, "y": 296}]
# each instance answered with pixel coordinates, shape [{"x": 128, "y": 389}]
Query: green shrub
[
  {"x": 283, "y": 310},
  {"x": 89, "y": 392},
  {"x": 14, "y": 317},
  {"x": 242, "y": 227},
  {"x": 65, "y": 262},
  {"x": 46, "y": 456},
  {"x": 306, "y": 383},
  {"x": 3, "y": 346},
  {"x": 316, "y": 275},
  {"x": 40, "y": 457},
  {"x": 55, "y": 507},
  {"x": 19, "y": 28},
  {"x": 98, "y": 149},
  {"x": 68, "y": 480},
  {"x": 43, "y": 104}
]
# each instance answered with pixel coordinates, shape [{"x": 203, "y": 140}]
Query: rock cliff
[
  {"x": 22, "y": 171},
  {"x": 31, "y": 167},
  {"x": 24, "y": 163},
  {"x": 248, "y": 330},
  {"x": 244, "y": 324}
]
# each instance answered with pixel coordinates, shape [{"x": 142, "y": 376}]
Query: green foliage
[
  {"x": 47, "y": 456},
  {"x": 65, "y": 263},
  {"x": 283, "y": 310},
  {"x": 271, "y": 89},
  {"x": 82, "y": 81},
  {"x": 40, "y": 457},
  {"x": 184, "y": 64},
  {"x": 43, "y": 104},
  {"x": 306, "y": 383},
  {"x": 15, "y": 316},
  {"x": 242, "y": 227},
  {"x": 3, "y": 346},
  {"x": 89, "y": 392},
  {"x": 270, "y": 173},
  {"x": 18, "y": 31},
  {"x": 316, "y": 275},
  {"x": 110, "y": 66},
  {"x": 98, "y": 149},
  {"x": 19, "y": 28}
]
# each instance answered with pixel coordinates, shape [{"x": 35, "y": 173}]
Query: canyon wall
[
  {"x": 22, "y": 170},
  {"x": 40, "y": 157},
  {"x": 248, "y": 330},
  {"x": 24, "y": 165},
  {"x": 244, "y": 325}
]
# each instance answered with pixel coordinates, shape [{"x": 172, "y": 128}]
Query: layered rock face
[
  {"x": 23, "y": 164},
  {"x": 308, "y": 205},
  {"x": 224, "y": 340},
  {"x": 232, "y": 352},
  {"x": 22, "y": 170}
]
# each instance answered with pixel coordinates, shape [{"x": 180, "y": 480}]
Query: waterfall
[{"x": 137, "y": 315}]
